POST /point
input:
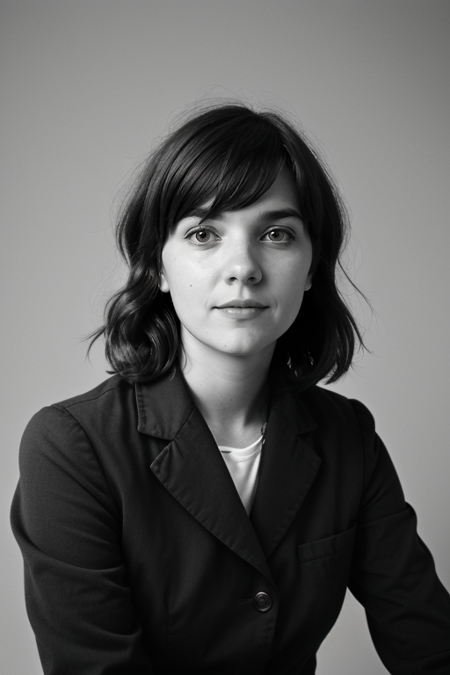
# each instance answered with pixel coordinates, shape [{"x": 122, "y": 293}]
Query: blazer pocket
[{"x": 323, "y": 548}]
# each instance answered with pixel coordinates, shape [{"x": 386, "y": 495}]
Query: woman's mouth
[{"x": 242, "y": 309}]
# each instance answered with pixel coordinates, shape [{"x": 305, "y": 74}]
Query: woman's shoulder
[
  {"x": 101, "y": 404},
  {"x": 322, "y": 399},
  {"x": 327, "y": 406},
  {"x": 320, "y": 406},
  {"x": 113, "y": 387},
  {"x": 77, "y": 435}
]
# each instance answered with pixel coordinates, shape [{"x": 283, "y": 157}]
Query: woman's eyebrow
[{"x": 278, "y": 214}]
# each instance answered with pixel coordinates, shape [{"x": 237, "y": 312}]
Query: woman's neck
[{"x": 230, "y": 391}]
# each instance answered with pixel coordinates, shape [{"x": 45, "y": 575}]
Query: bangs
[{"x": 229, "y": 166}]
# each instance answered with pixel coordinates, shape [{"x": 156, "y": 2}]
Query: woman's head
[{"x": 227, "y": 157}]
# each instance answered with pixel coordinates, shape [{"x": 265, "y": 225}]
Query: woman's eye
[
  {"x": 200, "y": 236},
  {"x": 278, "y": 236},
  {"x": 203, "y": 236}
]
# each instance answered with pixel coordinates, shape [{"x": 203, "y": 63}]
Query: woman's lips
[
  {"x": 241, "y": 312},
  {"x": 241, "y": 303}
]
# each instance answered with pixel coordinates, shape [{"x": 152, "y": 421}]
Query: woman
[{"x": 205, "y": 508}]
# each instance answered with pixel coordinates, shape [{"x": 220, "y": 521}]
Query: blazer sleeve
[
  {"x": 393, "y": 575},
  {"x": 69, "y": 530}
]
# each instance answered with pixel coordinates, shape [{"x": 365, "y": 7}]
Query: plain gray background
[{"x": 86, "y": 87}]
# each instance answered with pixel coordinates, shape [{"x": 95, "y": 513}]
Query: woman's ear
[
  {"x": 308, "y": 283},
  {"x": 163, "y": 284}
]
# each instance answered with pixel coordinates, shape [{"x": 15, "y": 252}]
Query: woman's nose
[{"x": 242, "y": 265}]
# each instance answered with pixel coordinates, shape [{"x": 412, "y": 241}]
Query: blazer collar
[
  {"x": 288, "y": 464},
  {"x": 164, "y": 405},
  {"x": 192, "y": 469}
]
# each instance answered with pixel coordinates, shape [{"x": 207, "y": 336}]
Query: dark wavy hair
[{"x": 230, "y": 154}]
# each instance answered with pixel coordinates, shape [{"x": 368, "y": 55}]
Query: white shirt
[{"x": 243, "y": 465}]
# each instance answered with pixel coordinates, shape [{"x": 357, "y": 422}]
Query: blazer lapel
[
  {"x": 288, "y": 466},
  {"x": 191, "y": 467}
]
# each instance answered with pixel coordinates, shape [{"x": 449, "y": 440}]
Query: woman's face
[{"x": 237, "y": 280}]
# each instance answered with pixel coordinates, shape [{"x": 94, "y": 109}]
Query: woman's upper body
[{"x": 140, "y": 556}]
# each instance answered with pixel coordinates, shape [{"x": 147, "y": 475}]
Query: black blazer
[{"x": 140, "y": 557}]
